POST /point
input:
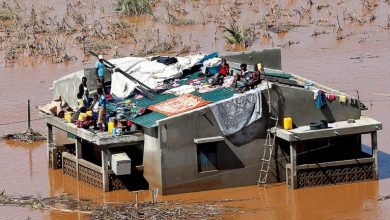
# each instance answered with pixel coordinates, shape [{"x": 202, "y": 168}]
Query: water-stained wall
[{"x": 238, "y": 155}]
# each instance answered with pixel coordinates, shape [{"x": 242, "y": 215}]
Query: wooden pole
[
  {"x": 28, "y": 116},
  {"x": 136, "y": 200},
  {"x": 374, "y": 146}
]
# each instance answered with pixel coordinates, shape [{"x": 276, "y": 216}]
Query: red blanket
[{"x": 178, "y": 105}]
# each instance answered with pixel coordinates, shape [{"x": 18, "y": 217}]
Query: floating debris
[
  {"x": 27, "y": 136},
  {"x": 178, "y": 209},
  {"x": 382, "y": 198}
]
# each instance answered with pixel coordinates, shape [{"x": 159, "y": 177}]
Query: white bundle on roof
[{"x": 151, "y": 73}]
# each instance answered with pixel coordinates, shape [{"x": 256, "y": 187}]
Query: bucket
[
  {"x": 89, "y": 113},
  {"x": 110, "y": 126},
  {"x": 68, "y": 116},
  {"x": 82, "y": 116},
  {"x": 287, "y": 123}
]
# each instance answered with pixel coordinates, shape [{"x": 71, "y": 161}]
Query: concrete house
[{"x": 196, "y": 149}]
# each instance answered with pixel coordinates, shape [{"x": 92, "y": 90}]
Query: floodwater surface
[{"x": 358, "y": 64}]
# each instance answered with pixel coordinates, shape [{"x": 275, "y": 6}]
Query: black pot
[
  {"x": 315, "y": 125},
  {"x": 324, "y": 123}
]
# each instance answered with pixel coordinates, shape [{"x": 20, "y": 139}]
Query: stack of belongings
[
  {"x": 57, "y": 107},
  {"x": 151, "y": 71}
]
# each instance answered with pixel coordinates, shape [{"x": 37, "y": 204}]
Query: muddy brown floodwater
[{"x": 24, "y": 170}]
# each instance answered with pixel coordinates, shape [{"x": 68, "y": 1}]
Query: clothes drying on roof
[
  {"x": 330, "y": 96},
  {"x": 165, "y": 60},
  {"x": 343, "y": 99},
  {"x": 319, "y": 98},
  {"x": 184, "y": 89},
  {"x": 239, "y": 111}
]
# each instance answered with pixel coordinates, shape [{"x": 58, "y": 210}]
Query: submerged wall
[{"x": 238, "y": 155}]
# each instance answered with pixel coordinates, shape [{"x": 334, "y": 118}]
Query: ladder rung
[
  {"x": 273, "y": 118},
  {"x": 265, "y": 171},
  {"x": 266, "y": 160},
  {"x": 269, "y": 145}
]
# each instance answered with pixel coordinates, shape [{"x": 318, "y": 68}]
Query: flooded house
[{"x": 189, "y": 136}]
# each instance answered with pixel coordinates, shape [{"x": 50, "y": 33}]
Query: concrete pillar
[
  {"x": 293, "y": 161},
  {"x": 78, "y": 154},
  {"x": 374, "y": 145},
  {"x": 49, "y": 140},
  {"x": 54, "y": 159},
  {"x": 106, "y": 186}
]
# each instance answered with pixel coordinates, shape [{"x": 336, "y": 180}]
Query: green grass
[
  {"x": 235, "y": 34},
  {"x": 6, "y": 14},
  {"x": 134, "y": 7}
]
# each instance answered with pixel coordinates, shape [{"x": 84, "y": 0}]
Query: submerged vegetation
[
  {"x": 167, "y": 26},
  {"x": 134, "y": 7},
  {"x": 239, "y": 35},
  {"x": 6, "y": 14},
  {"x": 125, "y": 210}
]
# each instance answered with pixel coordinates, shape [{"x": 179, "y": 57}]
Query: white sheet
[{"x": 151, "y": 73}]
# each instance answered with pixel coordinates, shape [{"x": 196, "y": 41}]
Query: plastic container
[
  {"x": 68, "y": 116},
  {"x": 113, "y": 132},
  {"x": 110, "y": 127},
  {"x": 287, "y": 123},
  {"x": 118, "y": 131},
  {"x": 89, "y": 113},
  {"x": 82, "y": 116}
]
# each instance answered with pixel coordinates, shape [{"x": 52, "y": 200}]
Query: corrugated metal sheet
[
  {"x": 216, "y": 95},
  {"x": 145, "y": 102},
  {"x": 149, "y": 119}
]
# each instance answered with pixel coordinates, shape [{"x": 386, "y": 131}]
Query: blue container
[{"x": 213, "y": 69}]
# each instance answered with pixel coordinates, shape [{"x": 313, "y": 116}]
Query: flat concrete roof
[
  {"x": 103, "y": 139},
  {"x": 340, "y": 128}
]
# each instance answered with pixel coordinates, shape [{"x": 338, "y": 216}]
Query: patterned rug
[{"x": 179, "y": 105}]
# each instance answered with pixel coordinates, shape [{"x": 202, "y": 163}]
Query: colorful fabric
[
  {"x": 319, "y": 99},
  {"x": 178, "y": 105},
  {"x": 331, "y": 97},
  {"x": 343, "y": 99}
]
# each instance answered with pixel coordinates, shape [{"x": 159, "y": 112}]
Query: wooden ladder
[{"x": 269, "y": 147}]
